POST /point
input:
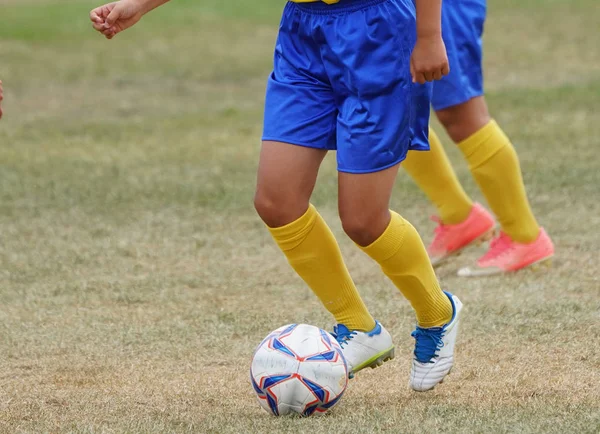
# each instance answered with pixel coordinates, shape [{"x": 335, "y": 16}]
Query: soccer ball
[{"x": 298, "y": 368}]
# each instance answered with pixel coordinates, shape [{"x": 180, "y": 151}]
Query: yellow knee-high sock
[
  {"x": 495, "y": 166},
  {"x": 434, "y": 175},
  {"x": 313, "y": 252},
  {"x": 402, "y": 256}
]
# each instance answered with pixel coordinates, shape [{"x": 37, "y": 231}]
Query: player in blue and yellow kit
[
  {"x": 460, "y": 106},
  {"x": 345, "y": 78}
]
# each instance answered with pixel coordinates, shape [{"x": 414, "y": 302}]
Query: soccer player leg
[
  {"x": 460, "y": 106},
  {"x": 286, "y": 177},
  {"x": 391, "y": 241},
  {"x": 364, "y": 221},
  {"x": 395, "y": 244},
  {"x": 494, "y": 164},
  {"x": 374, "y": 132},
  {"x": 460, "y": 222},
  {"x": 299, "y": 128}
]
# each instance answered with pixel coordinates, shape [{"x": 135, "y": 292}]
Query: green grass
[{"x": 136, "y": 279}]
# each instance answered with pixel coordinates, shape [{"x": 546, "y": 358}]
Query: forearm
[
  {"x": 148, "y": 5},
  {"x": 429, "y": 17}
]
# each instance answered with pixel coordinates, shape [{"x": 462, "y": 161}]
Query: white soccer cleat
[
  {"x": 364, "y": 349},
  {"x": 434, "y": 351}
]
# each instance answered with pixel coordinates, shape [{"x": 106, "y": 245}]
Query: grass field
[{"x": 136, "y": 279}]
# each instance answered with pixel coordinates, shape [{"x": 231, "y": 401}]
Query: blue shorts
[
  {"x": 341, "y": 81},
  {"x": 462, "y": 28}
]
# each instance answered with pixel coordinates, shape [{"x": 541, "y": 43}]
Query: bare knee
[
  {"x": 463, "y": 120},
  {"x": 270, "y": 209},
  {"x": 364, "y": 227},
  {"x": 277, "y": 210}
]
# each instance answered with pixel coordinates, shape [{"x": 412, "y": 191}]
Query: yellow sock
[
  {"x": 313, "y": 252},
  {"x": 402, "y": 256},
  {"x": 495, "y": 166},
  {"x": 435, "y": 177}
]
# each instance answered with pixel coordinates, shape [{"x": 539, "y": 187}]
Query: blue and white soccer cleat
[
  {"x": 364, "y": 349},
  {"x": 434, "y": 351}
]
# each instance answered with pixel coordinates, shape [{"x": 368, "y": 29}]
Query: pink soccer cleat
[
  {"x": 505, "y": 255},
  {"x": 449, "y": 240}
]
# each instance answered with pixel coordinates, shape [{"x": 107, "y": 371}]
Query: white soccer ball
[{"x": 298, "y": 368}]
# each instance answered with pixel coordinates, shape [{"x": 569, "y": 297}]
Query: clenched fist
[{"x": 115, "y": 17}]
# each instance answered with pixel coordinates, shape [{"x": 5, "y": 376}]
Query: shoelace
[
  {"x": 428, "y": 342},
  {"x": 498, "y": 247},
  {"x": 342, "y": 334}
]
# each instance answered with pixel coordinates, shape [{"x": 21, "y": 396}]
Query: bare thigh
[{"x": 286, "y": 179}]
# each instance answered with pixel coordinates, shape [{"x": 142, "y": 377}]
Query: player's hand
[
  {"x": 429, "y": 61},
  {"x": 113, "y": 18},
  {"x": 1, "y": 98}
]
